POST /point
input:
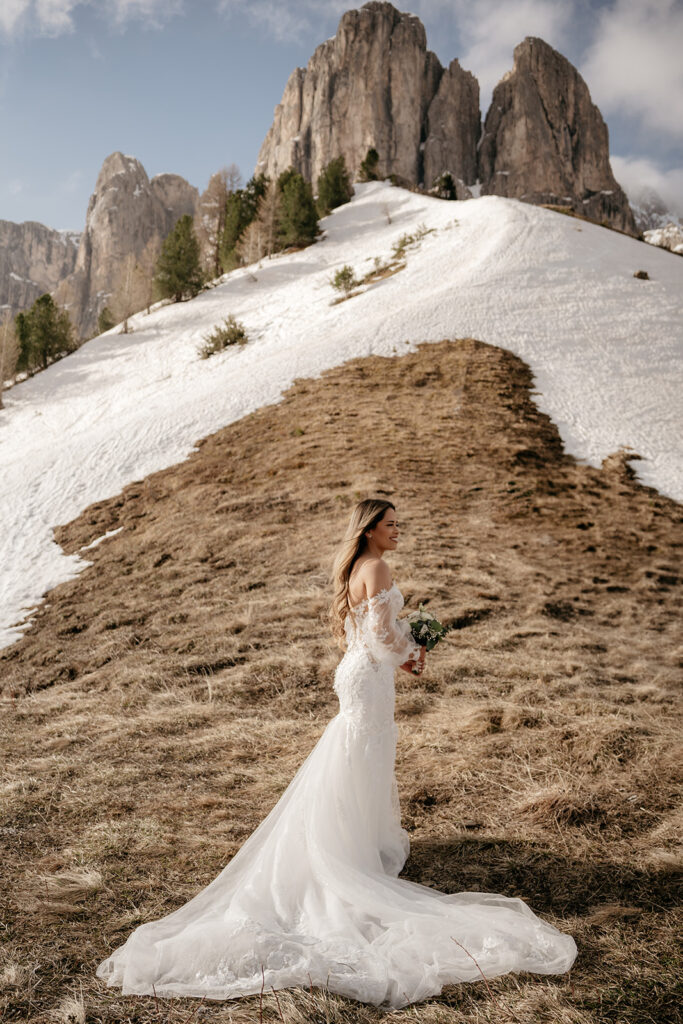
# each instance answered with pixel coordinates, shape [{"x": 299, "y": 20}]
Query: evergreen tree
[
  {"x": 368, "y": 167},
  {"x": 105, "y": 321},
  {"x": 44, "y": 333},
  {"x": 444, "y": 186},
  {"x": 298, "y": 218},
  {"x": 254, "y": 191},
  {"x": 334, "y": 186},
  {"x": 178, "y": 270},
  {"x": 24, "y": 362},
  {"x": 240, "y": 210}
]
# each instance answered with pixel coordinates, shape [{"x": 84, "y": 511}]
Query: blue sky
[{"x": 188, "y": 86}]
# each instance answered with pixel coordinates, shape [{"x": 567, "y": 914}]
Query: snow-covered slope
[{"x": 604, "y": 346}]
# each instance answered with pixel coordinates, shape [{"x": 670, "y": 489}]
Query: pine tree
[
  {"x": 334, "y": 186},
  {"x": 105, "y": 321},
  {"x": 240, "y": 210},
  {"x": 254, "y": 192},
  {"x": 178, "y": 270},
  {"x": 44, "y": 333},
  {"x": 443, "y": 186},
  {"x": 298, "y": 218},
  {"x": 368, "y": 167}
]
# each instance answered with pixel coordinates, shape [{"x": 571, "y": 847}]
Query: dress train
[{"x": 313, "y": 898}]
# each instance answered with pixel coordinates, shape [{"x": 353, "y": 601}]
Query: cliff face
[
  {"x": 33, "y": 259},
  {"x": 374, "y": 84},
  {"x": 125, "y": 212},
  {"x": 453, "y": 127},
  {"x": 545, "y": 141}
]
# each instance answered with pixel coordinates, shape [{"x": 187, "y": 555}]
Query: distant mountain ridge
[{"x": 34, "y": 258}]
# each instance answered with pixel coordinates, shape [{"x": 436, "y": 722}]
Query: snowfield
[{"x": 605, "y": 348}]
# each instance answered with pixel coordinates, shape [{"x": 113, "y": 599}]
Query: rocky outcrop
[
  {"x": 125, "y": 212},
  {"x": 453, "y": 127},
  {"x": 375, "y": 84},
  {"x": 545, "y": 141},
  {"x": 33, "y": 260}
]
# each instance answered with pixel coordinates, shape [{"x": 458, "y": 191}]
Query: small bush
[
  {"x": 230, "y": 332},
  {"x": 334, "y": 186},
  {"x": 642, "y": 275},
  {"x": 444, "y": 187},
  {"x": 368, "y": 168},
  {"x": 105, "y": 321},
  {"x": 399, "y": 247},
  {"x": 345, "y": 280}
]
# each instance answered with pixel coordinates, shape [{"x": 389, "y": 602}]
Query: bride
[{"x": 313, "y": 896}]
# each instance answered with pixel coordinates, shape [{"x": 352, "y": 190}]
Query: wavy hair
[{"x": 365, "y": 516}]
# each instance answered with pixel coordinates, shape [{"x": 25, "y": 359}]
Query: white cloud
[
  {"x": 11, "y": 14},
  {"x": 636, "y": 174},
  {"x": 293, "y": 21},
  {"x": 154, "y": 13},
  {"x": 634, "y": 63},
  {"x": 56, "y": 17},
  {"x": 490, "y": 30}
]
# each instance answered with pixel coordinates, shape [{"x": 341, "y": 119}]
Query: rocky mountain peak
[
  {"x": 116, "y": 164},
  {"x": 376, "y": 84},
  {"x": 125, "y": 212},
  {"x": 545, "y": 140},
  {"x": 370, "y": 85}
]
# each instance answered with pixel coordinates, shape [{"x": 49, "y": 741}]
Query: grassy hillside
[{"x": 162, "y": 700}]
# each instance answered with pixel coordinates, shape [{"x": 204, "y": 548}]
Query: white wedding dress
[{"x": 313, "y": 897}]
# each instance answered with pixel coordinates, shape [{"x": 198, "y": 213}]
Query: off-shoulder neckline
[{"x": 384, "y": 590}]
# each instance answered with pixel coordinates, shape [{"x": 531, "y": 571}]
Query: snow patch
[{"x": 98, "y": 540}]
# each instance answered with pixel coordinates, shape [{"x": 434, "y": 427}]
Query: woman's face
[{"x": 385, "y": 532}]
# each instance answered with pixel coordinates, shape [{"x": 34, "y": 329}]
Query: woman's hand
[{"x": 408, "y": 666}]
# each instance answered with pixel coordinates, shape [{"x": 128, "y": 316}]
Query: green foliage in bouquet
[{"x": 425, "y": 629}]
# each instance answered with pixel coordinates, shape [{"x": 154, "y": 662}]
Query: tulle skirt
[{"x": 313, "y": 898}]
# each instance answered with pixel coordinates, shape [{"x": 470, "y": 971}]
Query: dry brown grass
[{"x": 162, "y": 701}]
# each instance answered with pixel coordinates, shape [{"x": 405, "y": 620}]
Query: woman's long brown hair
[{"x": 365, "y": 515}]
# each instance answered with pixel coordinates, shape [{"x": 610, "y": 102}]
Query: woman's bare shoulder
[{"x": 376, "y": 575}]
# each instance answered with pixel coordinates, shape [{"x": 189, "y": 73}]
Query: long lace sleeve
[{"x": 388, "y": 637}]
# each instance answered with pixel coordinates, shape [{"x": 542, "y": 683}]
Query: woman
[{"x": 313, "y": 897}]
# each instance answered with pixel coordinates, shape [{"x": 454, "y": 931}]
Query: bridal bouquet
[{"x": 426, "y": 630}]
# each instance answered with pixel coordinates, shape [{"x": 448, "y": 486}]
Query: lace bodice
[{"x": 372, "y": 627}]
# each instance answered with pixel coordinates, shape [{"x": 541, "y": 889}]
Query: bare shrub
[{"x": 230, "y": 332}]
